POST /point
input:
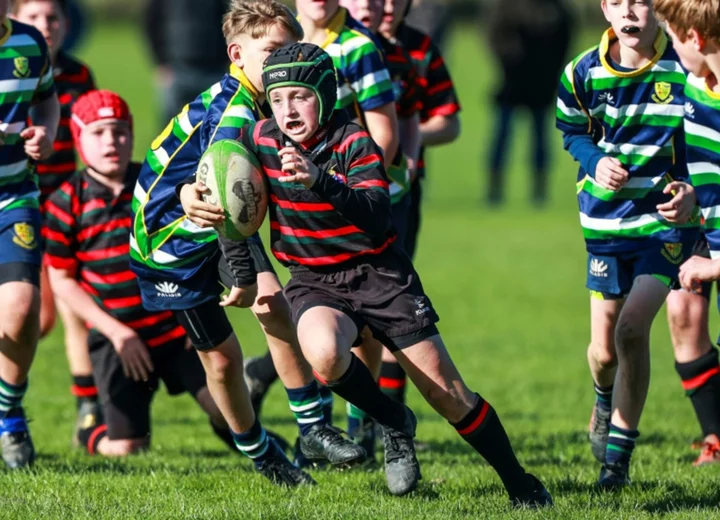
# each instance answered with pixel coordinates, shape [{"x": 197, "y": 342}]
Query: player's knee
[
  {"x": 631, "y": 334},
  {"x": 603, "y": 354},
  {"x": 221, "y": 368},
  {"x": 22, "y": 315},
  {"x": 325, "y": 356}
]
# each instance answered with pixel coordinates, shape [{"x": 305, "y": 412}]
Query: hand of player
[
  {"x": 678, "y": 209},
  {"x": 197, "y": 210},
  {"x": 38, "y": 145},
  {"x": 412, "y": 170},
  {"x": 240, "y": 297},
  {"x": 301, "y": 170},
  {"x": 610, "y": 174},
  {"x": 134, "y": 355},
  {"x": 696, "y": 270}
]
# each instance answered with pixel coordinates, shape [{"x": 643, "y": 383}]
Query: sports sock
[
  {"x": 327, "y": 401},
  {"x": 358, "y": 387},
  {"x": 621, "y": 443},
  {"x": 264, "y": 370},
  {"x": 603, "y": 396},
  {"x": 91, "y": 437},
  {"x": 11, "y": 396},
  {"x": 223, "y": 433},
  {"x": 356, "y": 417},
  {"x": 701, "y": 381},
  {"x": 254, "y": 443},
  {"x": 481, "y": 428},
  {"x": 393, "y": 380},
  {"x": 306, "y": 405},
  {"x": 83, "y": 387}
]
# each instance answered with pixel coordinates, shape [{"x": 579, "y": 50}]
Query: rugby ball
[{"x": 235, "y": 183}]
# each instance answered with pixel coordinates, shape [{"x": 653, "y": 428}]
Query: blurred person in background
[
  {"x": 530, "y": 39},
  {"x": 188, "y": 48}
]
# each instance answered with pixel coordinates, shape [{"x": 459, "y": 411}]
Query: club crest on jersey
[
  {"x": 22, "y": 67},
  {"x": 673, "y": 252},
  {"x": 339, "y": 176},
  {"x": 662, "y": 93},
  {"x": 24, "y": 235}
]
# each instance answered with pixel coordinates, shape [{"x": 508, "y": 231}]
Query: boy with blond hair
[{"x": 179, "y": 265}]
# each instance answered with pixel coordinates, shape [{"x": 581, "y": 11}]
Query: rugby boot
[
  {"x": 327, "y": 443},
  {"x": 402, "y": 470},
  {"x": 18, "y": 450},
  {"x": 535, "y": 497}
]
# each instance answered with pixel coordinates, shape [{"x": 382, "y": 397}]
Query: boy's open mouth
[
  {"x": 295, "y": 125},
  {"x": 630, "y": 29}
]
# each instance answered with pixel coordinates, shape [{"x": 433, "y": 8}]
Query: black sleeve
[
  {"x": 241, "y": 268},
  {"x": 365, "y": 199},
  {"x": 154, "y": 24}
]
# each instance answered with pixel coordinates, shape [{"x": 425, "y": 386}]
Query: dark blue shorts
[
  {"x": 207, "y": 284},
  {"x": 400, "y": 216},
  {"x": 611, "y": 277},
  {"x": 20, "y": 247}
]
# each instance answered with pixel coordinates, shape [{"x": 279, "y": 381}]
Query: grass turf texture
[{"x": 508, "y": 285}]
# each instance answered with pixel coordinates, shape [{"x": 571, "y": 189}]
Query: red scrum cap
[{"x": 97, "y": 105}]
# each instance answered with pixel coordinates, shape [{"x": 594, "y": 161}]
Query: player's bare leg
[
  {"x": 48, "y": 314},
  {"x": 602, "y": 361},
  {"x": 632, "y": 344},
  {"x": 696, "y": 361},
  {"x": 20, "y": 326}
]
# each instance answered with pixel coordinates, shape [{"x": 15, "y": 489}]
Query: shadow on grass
[{"x": 678, "y": 498}]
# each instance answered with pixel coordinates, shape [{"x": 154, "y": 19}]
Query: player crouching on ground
[
  {"x": 330, "y": 225},
  {"x": 87, "y": 231}
]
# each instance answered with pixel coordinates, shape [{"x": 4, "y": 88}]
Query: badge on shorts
[
  {"x": 662, "y": 93},
  {"x": 24, "y": 235},
  {"x": 673, "y": 252},
  {"x": 22, "y": 67}
]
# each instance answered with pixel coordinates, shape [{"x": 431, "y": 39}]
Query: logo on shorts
[
  {"x": 422, "y": 306},
  {"x": 22, "y": 67},
  {"x": 167, "y": 290},
  {"x": 24, "y": 235},
  {"x": 598, "y": 268},
  {"x": 673, "y": 252},
  {"x": 662, "y": 93}
]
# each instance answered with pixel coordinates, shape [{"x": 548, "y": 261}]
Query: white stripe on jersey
[
  {"x": 652, "y": 109},
  {"x": 9, "y": 170},
  {"x": 696, "y": 168},
  {"x": 701, "y": 131},
  {"x": 13, "y": 128},
  {"x": 660, "y": 66},
  {"x": 630, "y": 149},
  {"x": 614, "y": 224},
  {"x": 569, "y": 111},
  {"x": 18, "y": 85},
  {"x": 370, "y": 80}
]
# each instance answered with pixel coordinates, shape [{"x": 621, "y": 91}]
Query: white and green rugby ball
[{"x": 236, "y": 184}]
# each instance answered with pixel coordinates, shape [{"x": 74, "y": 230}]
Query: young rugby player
[
  {"x": 694, "y": 26},
  {"x": 631, "y": 207},
  {"x": 179, "y": 264},
  {"x": 88, "y": 254},
  {"x": 28, "y": 93},
  {"x": 72, "y": 78},
  {"x": 328, "y": 186}
]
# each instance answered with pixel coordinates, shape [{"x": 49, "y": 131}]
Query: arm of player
[
  {"x": 410, "y": 141},
  {"x": 133, "y": 353},
  {"x": 44, "y": 114},
  {"x": 439, "y": 130},
  {"x": 382, "y": 124},
  {"x": 440, "y": 106},
  {"x": 242, "y": 271}
]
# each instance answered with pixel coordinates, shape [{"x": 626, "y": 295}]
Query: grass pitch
[{"x": 509, "y": 286}]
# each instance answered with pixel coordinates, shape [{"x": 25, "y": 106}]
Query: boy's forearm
[
  {"x": 69, "y": 291},
  {"x": 382, "y": 125},
  {"x": 410, "y": 137},
  {"x": 440, "y": 130},
  {"x": 585, "y": 151},
  {"x": 238, "y": 258},
  {"x": 47, "y": 114}
]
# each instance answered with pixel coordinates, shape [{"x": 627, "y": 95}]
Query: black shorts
[
  {"x": 126, "y": 402},
  {"x": 383, "y": 292},
  {"x": 206, "y": 325}
]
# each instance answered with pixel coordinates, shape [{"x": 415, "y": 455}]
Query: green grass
[{"x": 509, "y": 286}]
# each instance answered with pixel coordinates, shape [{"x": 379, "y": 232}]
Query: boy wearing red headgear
[{"x": 86, "y": 231}]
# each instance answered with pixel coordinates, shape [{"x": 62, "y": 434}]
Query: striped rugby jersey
[
  {"x": 72, "y": 79},
  {"x": 635, "y": 116},
  {"x": 438, "y": 93},
  {"x": 346, "y": 214},
  {"x": 165, "y": 245},
  {"x": 702, "y": 140},
  {"x": 363, "y": 80},
  {"x": 26, "y": 77},
  {"x": 85, "y": 231}
]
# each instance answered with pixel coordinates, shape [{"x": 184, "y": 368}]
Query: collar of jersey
[
  {"x": 8, "y": 30},
  {"x": 335, "y": 27},
  {"x": 607, "y": 39},
  {"x": 237, "y": 73}
]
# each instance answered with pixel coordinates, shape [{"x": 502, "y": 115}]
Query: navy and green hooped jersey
[
  {"x": 26, "y": 77},
  {"x": 165, "y": 244},
  {"x": 702, "y": 138},
  {"x": 636, "y": 117}
]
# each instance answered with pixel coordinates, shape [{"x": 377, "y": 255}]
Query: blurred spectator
[
  {"x": 530, "y": 39},
  {"x": 76, "y": 23},
  {"x": 188, "y": 48},
  {"x": 431, "y": 17}
]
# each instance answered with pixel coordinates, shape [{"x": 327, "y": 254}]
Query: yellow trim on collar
[
  {"x": 710, "y": 92},
  {"x": 8, "y": 30},
  {"x": 660, "y": 45},
  {"x": 239, "y": 74},
  {"x": 335, "y": 27}
]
